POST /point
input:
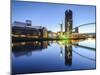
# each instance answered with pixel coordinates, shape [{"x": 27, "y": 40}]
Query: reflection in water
[
  {"x": 68, "y": 53},
  {"x": 68, "y": 50},
  {"x": 26, "y": 48},
  {"x": 42, "y": 51}
]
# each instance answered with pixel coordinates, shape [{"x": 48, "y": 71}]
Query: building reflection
[
  {"x": 26, "y": 48},
  {"x": 67, "y": 45},
  {"x": 68, "y": 53}
]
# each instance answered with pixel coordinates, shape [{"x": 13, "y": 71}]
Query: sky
[{"x": 51, "y": 15}]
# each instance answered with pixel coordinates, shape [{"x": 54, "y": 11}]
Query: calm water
[{"x": 49, "y": 56}]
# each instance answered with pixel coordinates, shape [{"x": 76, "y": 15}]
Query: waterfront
[{"x": 50, "y": 56}]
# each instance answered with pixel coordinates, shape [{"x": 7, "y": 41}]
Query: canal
[{"x": 51, "y": 56}]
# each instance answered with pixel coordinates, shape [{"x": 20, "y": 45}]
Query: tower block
[{"x": 68, "y": 23}]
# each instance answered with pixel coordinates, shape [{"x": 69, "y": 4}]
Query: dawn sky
[{"x": 50, "y": 15}]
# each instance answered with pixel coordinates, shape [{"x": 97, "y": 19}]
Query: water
[{"x": 50, "y": 56}]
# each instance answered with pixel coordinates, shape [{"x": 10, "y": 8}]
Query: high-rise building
[{"x": 68, "y": 21}]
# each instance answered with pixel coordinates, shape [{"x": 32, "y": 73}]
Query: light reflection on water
[{"x": 50, "y": 56}]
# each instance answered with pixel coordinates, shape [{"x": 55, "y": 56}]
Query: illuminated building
[
  {"x": 68, "y": 21},
  {"x": 21, "y": 29}
]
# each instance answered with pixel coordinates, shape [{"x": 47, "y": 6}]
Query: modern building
[
  {"x": 25, "y": 29},
  {"x": 29, "y": 22},
  {"x": 68, "y": 21}
]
